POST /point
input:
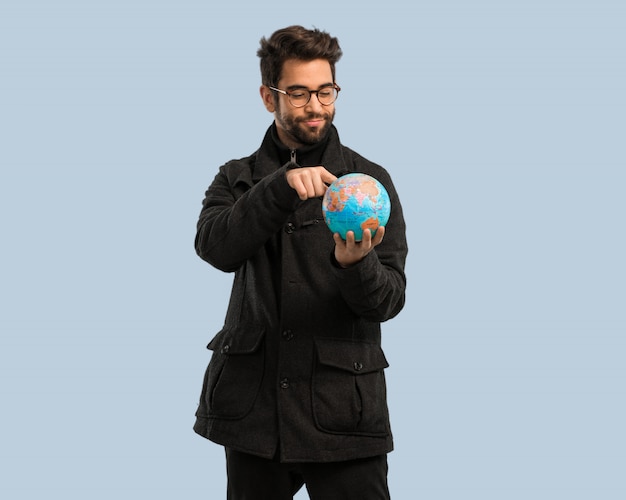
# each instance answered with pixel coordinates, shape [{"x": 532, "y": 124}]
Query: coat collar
[{"x": 273, "y": 154}]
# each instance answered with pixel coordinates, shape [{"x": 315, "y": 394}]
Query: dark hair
[{"x": 295, "y": 42}]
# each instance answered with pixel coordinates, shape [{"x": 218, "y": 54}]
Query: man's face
[{"x": 310, "y": 123}]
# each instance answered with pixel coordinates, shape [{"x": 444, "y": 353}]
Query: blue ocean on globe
[{"x": 356, "y": 202}]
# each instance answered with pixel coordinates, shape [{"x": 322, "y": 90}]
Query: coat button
[
  {"x": 284, "y": 383},
  {"x": 290, "y": 227},
  {"x": 287, "y": 335},
  {"x": 225, "y": 349},
  {"x": 357, "y": 366}
]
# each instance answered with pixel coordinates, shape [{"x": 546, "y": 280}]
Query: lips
[{"x": 313, "y": 121}]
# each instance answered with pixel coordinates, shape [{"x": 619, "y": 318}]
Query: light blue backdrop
[{"x": 502, "y": 123}]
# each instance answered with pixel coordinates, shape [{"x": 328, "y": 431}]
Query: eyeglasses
[{"x": 301, "y": 97}]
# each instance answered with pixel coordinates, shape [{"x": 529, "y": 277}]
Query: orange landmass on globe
[
  {"x": 369, "y": 189},
  {"x": 371, "y": 223},
  {"x": 338, "y": 198}
]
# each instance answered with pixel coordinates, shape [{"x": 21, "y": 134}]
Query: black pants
[{"x": 255, "y": 478}]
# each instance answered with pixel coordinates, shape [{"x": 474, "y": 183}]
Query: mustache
[{"x": 313, "y": 116}]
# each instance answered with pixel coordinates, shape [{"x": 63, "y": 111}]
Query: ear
[{"x": 268, "y": 98}]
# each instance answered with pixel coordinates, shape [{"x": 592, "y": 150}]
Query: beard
[{"x": 296, "y": 128}]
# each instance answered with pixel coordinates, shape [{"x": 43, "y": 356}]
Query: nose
[{"x": 314, "y": 102}]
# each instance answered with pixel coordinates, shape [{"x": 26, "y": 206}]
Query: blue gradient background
[{"x": 502, "y": 123}]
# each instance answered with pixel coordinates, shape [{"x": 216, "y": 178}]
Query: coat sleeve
[
  {"x": 237, "y": 218},
  {"x": 375, "y": 288}
]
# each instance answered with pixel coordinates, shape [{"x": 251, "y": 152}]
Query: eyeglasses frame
[{"x": 311, "y": 92}]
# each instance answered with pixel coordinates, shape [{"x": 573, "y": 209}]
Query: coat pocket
[
  {"x": 234, "y": 375},
  {"x": 349, "y": 391}
]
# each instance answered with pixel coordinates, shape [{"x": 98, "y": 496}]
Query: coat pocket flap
[
  {"x": 241, "y": 339},
  {"x": 355, "y": 357}
]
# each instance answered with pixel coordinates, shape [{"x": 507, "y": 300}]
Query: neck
[{"x": 307, "y": 154}]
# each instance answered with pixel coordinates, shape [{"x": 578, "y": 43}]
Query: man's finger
[
  {"x": 300, "y": 188},
  {"x": 327, "y": 177},
  {"x": 350, "y": 240},
  {"x": 378, "y": 237}
]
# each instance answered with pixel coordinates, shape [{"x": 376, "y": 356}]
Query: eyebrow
[{"x": 300, "y": 87}]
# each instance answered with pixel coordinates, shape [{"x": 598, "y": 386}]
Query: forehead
[{"x": 310, "y": 74}]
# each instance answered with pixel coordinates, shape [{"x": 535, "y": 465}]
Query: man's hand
[
  {"x": 350, "y": 252},
  {"x": 309, "y": 182}
]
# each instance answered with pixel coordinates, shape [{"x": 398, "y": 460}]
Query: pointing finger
[{"x": 327, "y": 177}]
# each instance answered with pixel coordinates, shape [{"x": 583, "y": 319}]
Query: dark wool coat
[{"x": 298, "y": 367}]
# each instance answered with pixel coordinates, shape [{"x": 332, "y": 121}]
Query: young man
[{"x": 295, "y": 389}]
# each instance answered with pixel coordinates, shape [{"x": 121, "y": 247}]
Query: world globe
[{"x": 356, "y": 202}]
